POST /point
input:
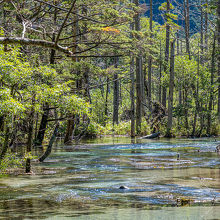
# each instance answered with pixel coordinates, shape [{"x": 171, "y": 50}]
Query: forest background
[{"x": 78, "y": 69}]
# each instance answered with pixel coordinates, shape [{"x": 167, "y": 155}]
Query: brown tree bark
[
  {"x": 150, "y": 58},
  {"x": 218, "y": 56},
  {"x": 70, "y": 123},
  {"x": 30, "y": 136},
  {"x": 43, "y": 123},
  {"x": 187, "y": 26},
  {"x": 171, "y": 89},
  {"x": 132, "y": 97},
  {"x": 6, "y": 143},
  {"x": 164, "y": 90},
  {"x": 138, "y": 77},
  {"x": 211, "y": 92},
  {"x": 43, "y": 126},
  {"x": 50, "y": 145},
  {"x": 106, "y": 100},
  {"x": 115, "y": 95},
  {"x": 160, "y": 74}
]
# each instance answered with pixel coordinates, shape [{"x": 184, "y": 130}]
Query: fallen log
[{"x": 151, "y": 136}]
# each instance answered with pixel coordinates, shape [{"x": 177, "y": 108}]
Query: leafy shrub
[{"x": 10, "y": 161}]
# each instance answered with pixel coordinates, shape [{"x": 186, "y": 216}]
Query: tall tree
[
  {"x": 218, "y": 37},
  {"x": 164, "y": 91},
  {"x": 211, "y": 92},
  {"x": 150, "y": 57},
  {"x": 139, "y": 77},
  {"x": 171, "y": 89},
  {"x": 187, "y": 26},
  {"x": 116, "y": 94}
]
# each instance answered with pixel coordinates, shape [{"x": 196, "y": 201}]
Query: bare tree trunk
[
  {"x": 208, "y": 131},
  {"x": 70, "y": 122},
  {"x": 218, "y": 54},
  {"x": 187, "y": 26},
  {"x": 178, "y": 43},
  {"x": 171, "y": 88},
  {"x": 139, "y": 95},
  {"x": 70, "y": 128},
  {"x": 86, "y": 82},
  {"x": 201, "y": 120},
  {"x": 196, "y": 95},
  {"x": 164, "y": 93},
  {"x": 186, "y": 111},
  {"x": 116, "y": 95},
  {"x": 132, "y": 89},
  {"x": 132, "y": 97},
  {"x": 160, "y": 74},
  {"x": 138, "y": 77},
  {"x": 1, "y": 123},
  {"x": 201, "y": 35},
  {"x": 6, "y": 143},
  {"x": 30, "y": 136},
  {"x": 150, "y": 57},
  {"x": 106, "y": 100},
  {"x": 206, "y": 25}
]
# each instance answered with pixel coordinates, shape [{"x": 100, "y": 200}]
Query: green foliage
[
  {"x": 163, "y": 6},
  {"x": 123, "y": 128},
  {"x": 10, "y": 160},
  {"x": 29, "y": 155}
]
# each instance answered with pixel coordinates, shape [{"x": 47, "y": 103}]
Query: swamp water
[{"x": 83, "y": 182}]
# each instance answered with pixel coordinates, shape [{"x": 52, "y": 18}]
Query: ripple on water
[{"x": 88, "y": 179}]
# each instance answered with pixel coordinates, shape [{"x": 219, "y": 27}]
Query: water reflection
[{"x": 85, "y": 182}]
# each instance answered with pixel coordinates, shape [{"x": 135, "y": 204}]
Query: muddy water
[{"x": 163, "y": 179}]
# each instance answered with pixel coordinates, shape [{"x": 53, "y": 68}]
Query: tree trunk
[
  {"x": 201, "y": 35},
  {"x": 116, "y": 96},
  {"x": 196, "y": 97},
  {"x": 187, "y": 26},
  {"x": 43, "y": 126},
  {"x": 69, "y": 130},
  {"x": 139, "y": 95},
  {"x": 206, "y": 25},
  {"x": 218, "y": 54},
  {"x": 49, "y": 147},
  {"x": 43, "y": 123},
  {"x": 30, "y": 136},
  {"x": 160, "y": 74},
  {"x": 70, "y": 122},
  {"x": 186, "y": 112},
  {"x": 171, "y": 88},
  {"x": 6, "y": 143},
  {"x": 132, "y": 97},
  {"x": 106, "y": 101},
  {"x": 1, "y": 123},
  {"x": 178, "y": 43},
  {"x": 164, "y": 93},
  {"x": 150, "y": 57},
  {"x": 208, "y": 131},
  {"x": 138, "y": 77}
]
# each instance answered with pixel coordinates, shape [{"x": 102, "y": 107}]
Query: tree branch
[
  {"x": 64, "y": 22},
  {"x": 34, "y": 42},
  {"x": 63, "y": 9}
]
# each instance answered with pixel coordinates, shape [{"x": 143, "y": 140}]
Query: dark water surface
[{"x": 82, "y": 182}]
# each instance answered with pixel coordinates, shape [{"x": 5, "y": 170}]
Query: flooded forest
[{"x": 110, "y": 109}]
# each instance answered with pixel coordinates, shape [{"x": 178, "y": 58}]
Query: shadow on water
[{"x": 124, "y": 179}]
